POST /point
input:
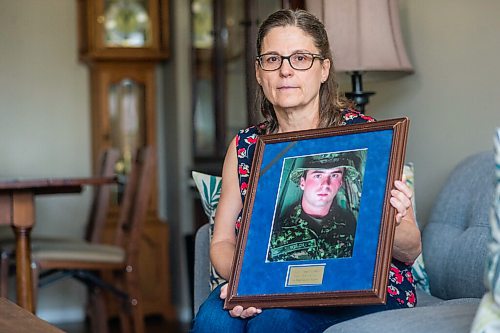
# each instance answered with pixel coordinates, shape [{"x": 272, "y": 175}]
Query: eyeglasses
[{"x": 300, "y": 61}]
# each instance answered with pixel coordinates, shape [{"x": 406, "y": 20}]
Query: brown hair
[{"x": 331, "y": 100}]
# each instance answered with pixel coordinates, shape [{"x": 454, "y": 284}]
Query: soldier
[{"x": 317, "y": 227}]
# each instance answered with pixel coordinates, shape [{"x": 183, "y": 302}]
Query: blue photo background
[{"x": 342, "y": 274}]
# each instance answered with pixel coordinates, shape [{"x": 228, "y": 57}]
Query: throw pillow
[
  {"x": 418, "y": 269},
  {"x": 488, "y": 315},
  {"x": 209, "y": 188}
]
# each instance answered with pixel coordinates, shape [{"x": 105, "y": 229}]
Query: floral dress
[{"x": 400, "y": 288}]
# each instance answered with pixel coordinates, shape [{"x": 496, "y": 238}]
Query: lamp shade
[{"x": 365, "y": 35}]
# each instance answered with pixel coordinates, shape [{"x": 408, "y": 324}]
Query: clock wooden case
[
  {"x": 123, "y": 116},
  {"x": 122, "y": 42},
  {"x": 123, "y": 29}
]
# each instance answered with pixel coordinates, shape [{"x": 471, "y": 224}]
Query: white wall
[
  {"x": 44, "y": 118},
  {"x": 453, "y": 98},
  {"x": 452, "y": 101}
]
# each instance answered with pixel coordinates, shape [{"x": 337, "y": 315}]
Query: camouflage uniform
[{"x": 301, "y": 237}]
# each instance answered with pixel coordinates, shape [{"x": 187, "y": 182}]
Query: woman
[{"x": 298, "y": 91}]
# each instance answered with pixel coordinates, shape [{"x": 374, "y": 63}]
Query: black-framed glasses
[{"x": 301, "y": 61}]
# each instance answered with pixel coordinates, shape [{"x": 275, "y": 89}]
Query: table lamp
[{"x": 365, "y": 36}]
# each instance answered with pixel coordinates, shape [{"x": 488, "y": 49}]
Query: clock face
[{"x": 127, "y": 23}]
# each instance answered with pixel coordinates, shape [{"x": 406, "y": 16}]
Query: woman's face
[{"x": 288, "y": 88}]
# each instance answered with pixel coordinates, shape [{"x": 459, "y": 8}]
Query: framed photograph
[{"x": 317, "y": 226}]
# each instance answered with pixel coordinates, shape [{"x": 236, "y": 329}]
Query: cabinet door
[
  {"x": 153, "y": 270},
  {"x": 223, "y": 43},
  {"x": 123, "y": 104}
]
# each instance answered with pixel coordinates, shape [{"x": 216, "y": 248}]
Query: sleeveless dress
[{"x": 400, "y": 288}]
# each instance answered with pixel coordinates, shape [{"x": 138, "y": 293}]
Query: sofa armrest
[{"x": 201, "y": 267}]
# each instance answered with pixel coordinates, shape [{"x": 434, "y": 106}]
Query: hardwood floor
[{"x": 154, "y": 324}]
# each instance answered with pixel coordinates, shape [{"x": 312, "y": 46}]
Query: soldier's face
[{"x": 320, "y": 188}]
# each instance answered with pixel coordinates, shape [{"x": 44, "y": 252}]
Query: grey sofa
[{"x": 454, "y": 248}]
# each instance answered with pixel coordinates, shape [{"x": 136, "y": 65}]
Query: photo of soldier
[{"x": 320, "y": 223}]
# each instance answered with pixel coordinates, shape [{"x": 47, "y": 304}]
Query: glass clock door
[{"x": 126, "y": 23}]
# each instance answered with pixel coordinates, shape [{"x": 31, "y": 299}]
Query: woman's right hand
[
  {"x": 238, "y": 311},
  {"x": 222, "y": 246}
]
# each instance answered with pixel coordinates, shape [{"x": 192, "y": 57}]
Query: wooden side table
[
  {"x": 17, "y": 208},
  {"x": 16, "y": 319}
]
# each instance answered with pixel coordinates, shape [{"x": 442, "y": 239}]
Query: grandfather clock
[{"x": 122, "y": 42}]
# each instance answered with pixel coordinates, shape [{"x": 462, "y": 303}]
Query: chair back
[
  {"x": 100, "y": 202},
  {"x": 135, "y": 202}
]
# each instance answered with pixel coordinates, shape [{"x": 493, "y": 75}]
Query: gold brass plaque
[{"x": 305, "y": 275}]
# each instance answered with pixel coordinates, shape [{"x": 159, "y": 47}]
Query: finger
[
  {"x": 236, "y": 311},
  {"x": 399, "y": 218},
  {"x": 223, "y": 292},
  {"x": 400, "y": 207},
  {"x": 402, "y": 198},
  {"x": 403, "y": 188},
  {"x": 249, "y": 312}
]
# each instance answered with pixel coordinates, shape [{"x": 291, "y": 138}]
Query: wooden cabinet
[
  {"x": 223, "y": 34},
  {"x": 155, "y": 277}
]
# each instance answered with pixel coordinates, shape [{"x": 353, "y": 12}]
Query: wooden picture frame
[{"x": 272, "y": 268}]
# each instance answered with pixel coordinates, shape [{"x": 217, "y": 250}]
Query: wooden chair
[
  {"x": 90, "y": 262},
  {"x": 100, "y": 204},
  {"x": 95, "y": 222}
]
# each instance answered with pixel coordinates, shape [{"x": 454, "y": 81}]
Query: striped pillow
[
  {"x": 209, "y": 187},
  {"x": 420, "y": 277}
]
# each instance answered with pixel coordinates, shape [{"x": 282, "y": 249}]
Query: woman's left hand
[
  {"x": 407, "y": 242},
  {"x": 401, "y": 200}
]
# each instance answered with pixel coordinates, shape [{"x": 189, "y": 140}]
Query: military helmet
[{"x": 346, "y": 160}]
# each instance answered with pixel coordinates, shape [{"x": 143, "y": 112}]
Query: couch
[{"x": 454, "y": 251}]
